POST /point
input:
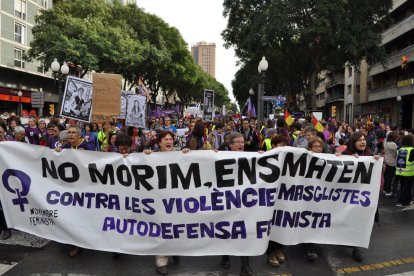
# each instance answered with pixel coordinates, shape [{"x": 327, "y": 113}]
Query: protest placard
[
  {"x": 136, "y": 107},
  {"x": 77, "y": 99},
  {"x": 208, "y": 110},
  {"x": 106, "y": 96}
]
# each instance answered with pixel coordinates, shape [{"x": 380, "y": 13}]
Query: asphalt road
[{"x": 391, "y": 252}]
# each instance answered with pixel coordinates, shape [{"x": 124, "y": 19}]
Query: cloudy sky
[{"x": 198, "y": 20}]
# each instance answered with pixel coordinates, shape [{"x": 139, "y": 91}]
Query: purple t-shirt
[
  {"x": 53, "y": 142},
  {"x": 112, "y": 148},
  {"x": 43, "y": 132},
  {"x": 33, "y": 134},
  {"x": 84, "y": 145}
]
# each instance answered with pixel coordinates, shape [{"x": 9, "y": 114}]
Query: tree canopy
[
  {"x": 300, "y": 38},
  {"x": 113, "y": 38}
]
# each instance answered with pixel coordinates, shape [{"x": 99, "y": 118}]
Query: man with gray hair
[
  {"x": 75, "y": 141},
  {"x": 63, "y": 138},
  {"x": 307, "y": 134}
]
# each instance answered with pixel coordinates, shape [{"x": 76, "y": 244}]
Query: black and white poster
[
  {"x": 124, "y": 95},
  {"x": 208, "y": 105},
  {"x": 136, "y": 110},
  {"x": 77, "y": 99}
]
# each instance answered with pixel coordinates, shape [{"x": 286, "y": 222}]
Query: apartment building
[
  {"x": 204, "y": 54},
  {"x": 382, "y": 92},
  {"x": 390, "y": 95},
  {"x": 17, "y": 18}
]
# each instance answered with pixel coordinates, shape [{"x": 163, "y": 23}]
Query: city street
[{"x": 390, "y": 253}]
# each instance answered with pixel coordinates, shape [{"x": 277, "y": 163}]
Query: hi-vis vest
[
  {"x": 404, "y": 167},
  {"x": 268, "y": 143}
]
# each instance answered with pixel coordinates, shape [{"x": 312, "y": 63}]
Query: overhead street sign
[{"x": 38, "y": 99}]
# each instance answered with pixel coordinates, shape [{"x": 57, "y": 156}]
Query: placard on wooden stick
[{"x": 106, "y": 95}]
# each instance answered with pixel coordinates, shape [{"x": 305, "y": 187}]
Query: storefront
[
  {"x": 11, "y": 102},
  {"x": 28, "y": 83}
]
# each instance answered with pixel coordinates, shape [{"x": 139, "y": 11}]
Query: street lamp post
[
  {"x": 260, "y": 103},
  {"x": 60, "y": 73},
  {"x": 20, "y": 94}
]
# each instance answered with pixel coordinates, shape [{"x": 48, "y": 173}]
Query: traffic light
[
  {"x": 333, "y": 111},
  {"x": 404, "y": 62},
  {"x": 52, "y": 109}
]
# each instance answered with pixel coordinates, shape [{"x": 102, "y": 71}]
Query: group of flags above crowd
[{"x": 315, "y": 122}]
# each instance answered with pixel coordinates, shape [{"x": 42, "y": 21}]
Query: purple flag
[
  {"x": 250, "y": 108},
  {"x": 157, "y": 111},
  {"x": 177, "y": 108}
]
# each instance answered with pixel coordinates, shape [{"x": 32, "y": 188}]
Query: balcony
[
  {"x": 320, "y": 102},
  {"x": 357, "y": 99},
  {"x": 393, "y": 61},
  {"x": 391, "y": 91},
  {"x": 397, "y": 3},
  {"x": 335, "y": 81},
  {"x": 320, "y": 89},
  {"x": 336, "y": 97},
  {"x": 398, "y": 29}
]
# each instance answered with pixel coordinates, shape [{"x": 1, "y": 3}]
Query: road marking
[
  {"x": 6, "y": 266},
  {"x": 25, "y": 239},
  {"x": 409, "y": 273},
  {"x": 60, "y": 274},
  {"x": 353, "y": 269},
  {"x": 411, "y": 207},
  {"x": 333, "y": 262},
  {"x": 214, "y": 273}
]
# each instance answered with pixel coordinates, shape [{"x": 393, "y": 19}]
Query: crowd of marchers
[{"x": 375, "y": 139}]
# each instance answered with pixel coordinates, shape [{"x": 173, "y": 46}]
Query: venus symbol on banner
[{"x": 25, "y": 183}]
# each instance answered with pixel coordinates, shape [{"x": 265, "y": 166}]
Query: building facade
[
  {"x": 17, "y": 18},
  {"x": 390, "y": 86},
  {"x": 204, "y": 54},
  {"x": 381, "y": 92}
]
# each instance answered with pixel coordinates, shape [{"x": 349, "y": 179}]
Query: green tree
[
  {"x": 120, "y": 39},
  {"x": 300, "y": 38},
  {"x": 80, "y": 32}
]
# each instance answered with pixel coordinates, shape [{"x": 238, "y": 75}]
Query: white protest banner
[{"x": 198, "y": 203}]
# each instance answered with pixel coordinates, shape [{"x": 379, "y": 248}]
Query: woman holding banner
[
  {"x": 274, "y": 251},
  {"x": 236, "y": 143},
  {"x": 315, "y": 145},
  {"x": 166, "y": 143},
  {"x": 75, "y": 142},
  {"x": 357, "y": 146}
]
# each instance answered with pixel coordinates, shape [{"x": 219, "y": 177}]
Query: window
[
  {"x": 19, "y": 33},
  {"x": 45, "y": 4},
  {"x": 18, "y": 57},
  {"x": 20, "y": 7},
  {"x": 349, "y": 71},
  {"x": 40, "y": 67},
  {"x": 349, "y": 89}
]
